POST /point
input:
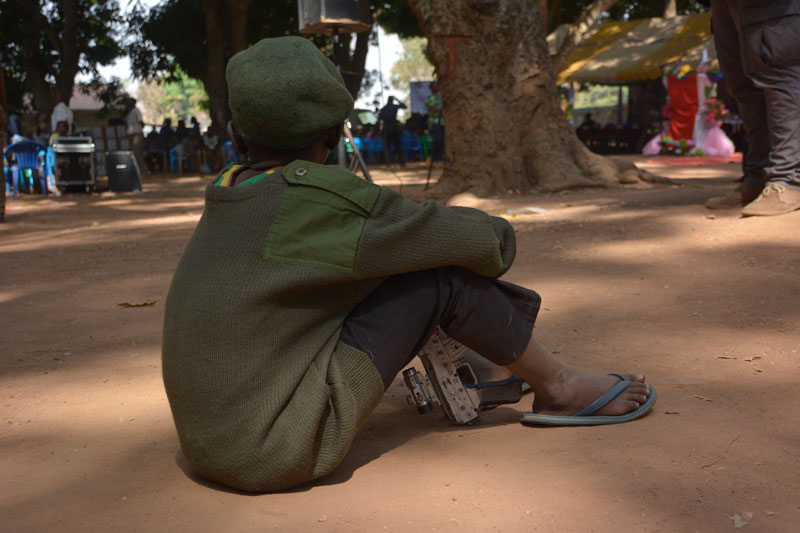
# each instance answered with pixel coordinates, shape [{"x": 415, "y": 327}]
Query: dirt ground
[{"x": 707, "y": 304}]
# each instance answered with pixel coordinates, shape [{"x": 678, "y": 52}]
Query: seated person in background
[
  {"x": 153, "y": 152},
  {"x": 215, "y": 158},
  {"x": 166, "y": 135},
  {"x": 305, "y": 290},
  {"x": 40, "y": 135},
  {"x": 588, "y": 122},
  {"x": 62, "y": 130},
  {"x": 181, "y": 131},
  {"x": 189, "y": 149}
]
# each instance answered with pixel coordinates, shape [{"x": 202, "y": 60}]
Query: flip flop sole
[{"x": 558, "y": 420}]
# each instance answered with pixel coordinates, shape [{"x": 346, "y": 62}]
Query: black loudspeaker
[
  {"x": 323, "y": 16},
  {"x": 123, "y": 172}
]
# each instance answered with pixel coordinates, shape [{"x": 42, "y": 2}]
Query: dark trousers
[
  {"x": 494, "y": 318},
  {"x": 761, "y": 65},
  {"x": 437, "y": 136},
  {"x": 392, "y": 145}
]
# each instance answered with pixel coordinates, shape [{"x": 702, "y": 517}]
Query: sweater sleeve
[{"x": 403, "y": 236}]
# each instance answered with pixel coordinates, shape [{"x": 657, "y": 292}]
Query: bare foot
[
  {"x": 561, "y": 390},
  {"x": 574, "y": 390}
]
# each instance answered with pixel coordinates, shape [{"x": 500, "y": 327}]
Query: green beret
[{"x": 284, "y": 93}]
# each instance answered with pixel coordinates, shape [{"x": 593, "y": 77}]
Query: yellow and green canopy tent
[{"x": 634, "y": 50}]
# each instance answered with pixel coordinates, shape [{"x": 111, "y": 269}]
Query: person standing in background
[
  {"x": 758, "y": 46},
  {"x": 391, "y": 130},
  {"x": 135, "y": 130},
  {"x": 61, "y": 112}
]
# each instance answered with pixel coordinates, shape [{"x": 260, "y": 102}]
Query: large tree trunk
[
  {"x": 35, "y": 66},
  {"x": 351, "y": 65},
  {"x": 226, "y": 26},
  {"x": 504, "y": 129},
  {"x": 214, "y": 75},
  {"x": 69, "y": 52}
]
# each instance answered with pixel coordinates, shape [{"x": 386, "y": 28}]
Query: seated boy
[{"x": 305, "y": 290}]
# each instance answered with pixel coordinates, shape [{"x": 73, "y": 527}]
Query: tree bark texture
[
  {"x": 69, "y": 52},
  {"x": 35, "y": 67},
  {"x": 226, "y": 24},
  {"x": 351, "y": 64},
  {"x": 579, "y": 29},
  {"x": 505, "y": 131}
]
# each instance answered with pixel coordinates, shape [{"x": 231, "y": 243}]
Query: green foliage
[
  {"x": 413, "y": 65},
  {"x": 394, "y": 16},
  {"x": 35, "y": 37},
  {"x": 631, "y": 9},
  {"x": 116, "y": 101},
  {"x": 180, "y": 99},
  {"x": 568, "y": 11},
  {"x": 166, "y": 39},
  {"x": 171, "y": 36}
]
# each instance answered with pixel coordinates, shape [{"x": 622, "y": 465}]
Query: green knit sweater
[{"x": 263, "y": 394}]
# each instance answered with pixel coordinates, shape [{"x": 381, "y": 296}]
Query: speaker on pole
[{"x": 325, "y": 16}]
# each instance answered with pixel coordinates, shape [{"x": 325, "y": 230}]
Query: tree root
[{"x": 629, "y": 174}]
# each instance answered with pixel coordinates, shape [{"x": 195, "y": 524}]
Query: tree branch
[{"x": 578, "y": 31}]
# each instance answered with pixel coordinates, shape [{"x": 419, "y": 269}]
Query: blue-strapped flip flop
[{"x": 584, "y": 418}]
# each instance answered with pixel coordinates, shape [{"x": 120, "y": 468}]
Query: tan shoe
[
  {"x": 775, "y": 199},
  {"x": 742, "y": 195}
]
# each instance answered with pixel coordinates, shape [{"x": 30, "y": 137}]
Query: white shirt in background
[
  {"x": 134, "y": 122},
  {"x": 61, "y": 112}
]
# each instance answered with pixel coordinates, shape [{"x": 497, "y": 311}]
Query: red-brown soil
[{"x": 706, "y": 303}]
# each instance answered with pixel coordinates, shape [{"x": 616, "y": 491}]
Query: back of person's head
[
  {"x": 284, "y": 94},
  {"x": 167, "y": 123}
]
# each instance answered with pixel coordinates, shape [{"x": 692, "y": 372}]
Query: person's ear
[
  {"x": 334, "y": 136},
  {"x": 238, "y": 143}
]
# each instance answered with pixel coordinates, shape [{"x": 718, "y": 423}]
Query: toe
[
  {"x": 631, "y": 405},
  {"x": 638, "y": 398}
]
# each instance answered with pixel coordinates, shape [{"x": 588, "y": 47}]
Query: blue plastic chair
[
  {"x": 26, "y": 157},
  {"x": 410, "y": 144},
  {"x": 50, "y": 168},
  {"x": 375, "y": 148}
]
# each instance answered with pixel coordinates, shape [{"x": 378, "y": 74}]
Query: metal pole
[
  {"x": 380, "y": 64},
  {"x": 342, "y": 153}
]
